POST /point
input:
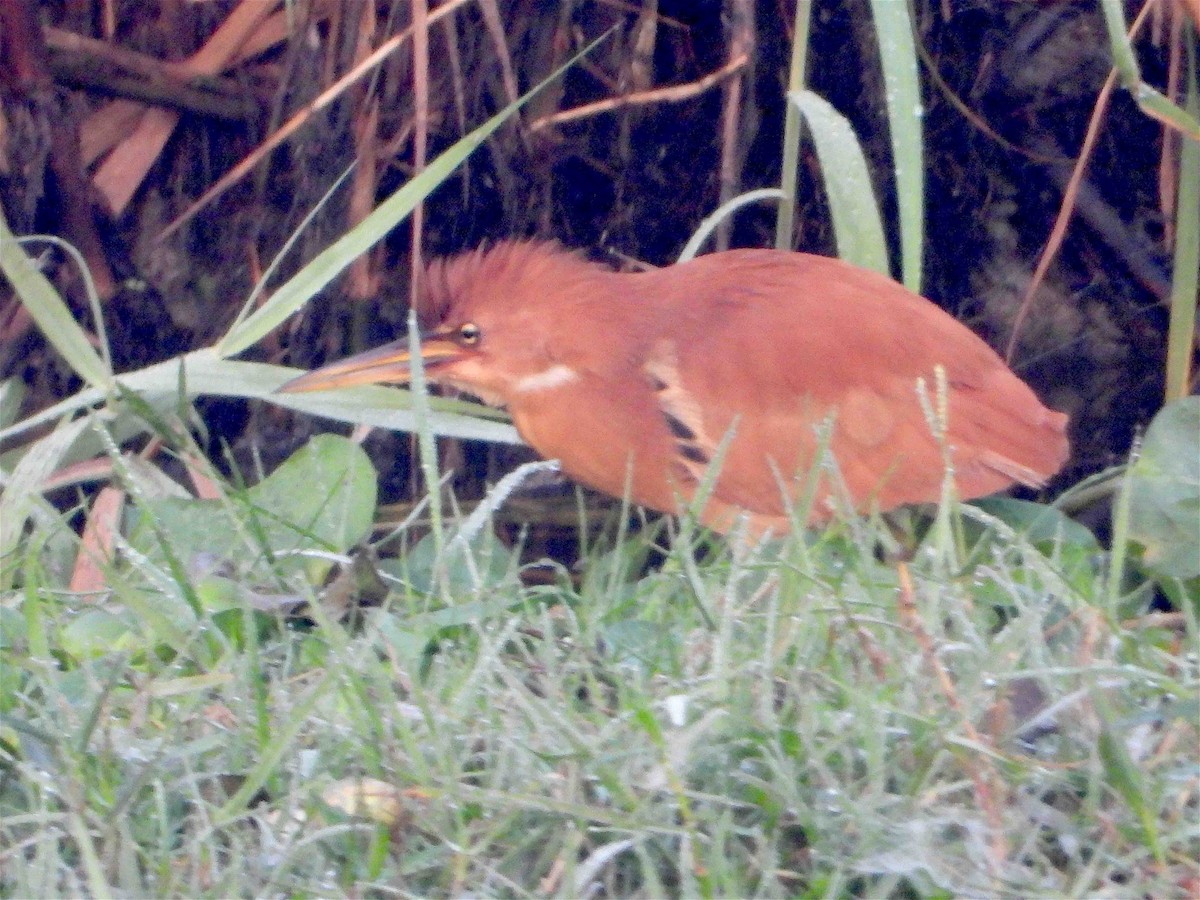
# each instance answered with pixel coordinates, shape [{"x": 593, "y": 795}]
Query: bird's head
[{"x": 495, "y": 323}]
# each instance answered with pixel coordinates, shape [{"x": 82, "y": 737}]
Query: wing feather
[{"x": 780, "y": 344}]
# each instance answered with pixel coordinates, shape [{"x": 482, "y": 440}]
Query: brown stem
[{"x": 26, "y": 73}]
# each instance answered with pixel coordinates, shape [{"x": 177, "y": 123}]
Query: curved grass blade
[
  {"x": 726, "y": 209},
  {"x": 49, "y": 311},
  {"x": 852, "y": 205}
]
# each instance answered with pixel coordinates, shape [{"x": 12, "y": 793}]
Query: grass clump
[{"x": 790, "y": 718}]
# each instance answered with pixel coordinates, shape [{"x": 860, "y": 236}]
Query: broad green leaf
[
  {"x": 468, "y": 565},
  {"x": 323, "y": 497},
  {"x": 1039, "y": 524},
  {"x": 97, "y": 632},
  {"x": 327, "y": 487},
  {"x": 1069, "y": 546},
  {"x": 1164, "y": 487},
  {"x": 648, "y": 646}
]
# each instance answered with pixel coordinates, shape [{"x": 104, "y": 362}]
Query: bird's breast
[{"x": 608, "y": 433}]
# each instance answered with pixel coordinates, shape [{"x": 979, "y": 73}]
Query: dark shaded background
[{"x": 626, "y": 184}]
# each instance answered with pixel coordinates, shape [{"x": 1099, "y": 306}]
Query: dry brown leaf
[
  {"x": 114, "y": 121},
  {"x": 363, "y": 276},
  {"x": 374, "y": 799},
  {"x": 98, "y": 469},
  {"x": 205, "y": 487},
  {"x": 494, "y": 23},
  {"x": 223, "y": 717},
  {"x": 229, "y": 37},
  {"x": 301, "y": 117},
  {"x": 119, "y": 176},
  {"x": 95, "y": 547},
  {"x": 104, "y": 127}
]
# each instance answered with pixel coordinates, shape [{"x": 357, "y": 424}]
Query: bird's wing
[{"x": 774, "y": 350}]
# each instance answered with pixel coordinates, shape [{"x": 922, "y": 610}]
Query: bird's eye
[{"x": 469, "y": 334}]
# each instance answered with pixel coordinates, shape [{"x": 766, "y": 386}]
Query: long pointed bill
[{"x": 389, "y": 364}]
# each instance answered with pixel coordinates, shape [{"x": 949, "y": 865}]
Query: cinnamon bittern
[{"x": 633, "y": 380}]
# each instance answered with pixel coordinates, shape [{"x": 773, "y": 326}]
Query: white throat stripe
[{"x": 555, "y": 376}]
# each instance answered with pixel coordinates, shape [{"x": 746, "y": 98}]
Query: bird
[{"x": 754, "y": 363}]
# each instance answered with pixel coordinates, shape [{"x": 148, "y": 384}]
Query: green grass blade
[
  {"x": 206, "y": 374},
  {"x": 272, "y": 755},
  {"x": 1126, "y": 779},
  {"x": 1157, "y": 106},
  {"x": 248, "y": 307},
  {"x": 852, "y": 204},
  {"x": 1122, "y": 51},
  {"x": 785, "y": 219},
  {"x": 1185, "y": 289},
  {"x": 1150, "y": 100},
  {"x": 1118, "y": 557},
  {"x": 23, "y": 486},
  {"x": 426, "y": 446},
  {"x": 726, "y": 209},
  {"x": 82, "y": 400},
  {"x": 330, "y": 262},
  {"x": 901, "y": 76},
  {"x": 49, "y": 311}
]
